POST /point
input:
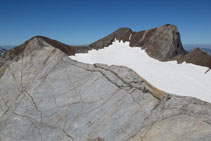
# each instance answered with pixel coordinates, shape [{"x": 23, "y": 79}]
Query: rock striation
[{"x": 45, "y": 96}]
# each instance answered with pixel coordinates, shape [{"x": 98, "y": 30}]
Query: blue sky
[{"x": 80, "y": 22}]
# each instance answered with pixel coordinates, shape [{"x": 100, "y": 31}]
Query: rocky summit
[
  {"x": 46, "y": 96},
  {"x": 162, "y": 43}
]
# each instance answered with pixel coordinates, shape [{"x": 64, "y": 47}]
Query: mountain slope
[{"x": 45, "y": 95}]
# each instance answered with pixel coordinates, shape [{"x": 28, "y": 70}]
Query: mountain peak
[
  {"x": 196, "y": 50},
  {"x": 162, "y": 43},
  {"x": 124, "y": 29},
  {"x": 170, "y": 25},
  {"x": 35, "y": 43}
]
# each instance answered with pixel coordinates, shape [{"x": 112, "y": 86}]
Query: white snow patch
[{"x": 181, "y": 79}]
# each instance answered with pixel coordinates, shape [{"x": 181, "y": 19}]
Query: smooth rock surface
[{"x": 46, "y": 96}]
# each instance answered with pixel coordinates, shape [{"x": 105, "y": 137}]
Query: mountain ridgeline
[{"x": 162, "y": 43}]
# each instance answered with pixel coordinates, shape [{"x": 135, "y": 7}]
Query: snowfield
[{"x": 181, "y": 79}]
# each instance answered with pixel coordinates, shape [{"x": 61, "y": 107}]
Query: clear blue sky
[{"x": 84, "y": 21}]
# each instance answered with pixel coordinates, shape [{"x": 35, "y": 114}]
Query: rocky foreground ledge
[{"x": 45, "y": 96}]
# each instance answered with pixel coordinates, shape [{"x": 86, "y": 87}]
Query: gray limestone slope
[{"x": 46, "y": 96}]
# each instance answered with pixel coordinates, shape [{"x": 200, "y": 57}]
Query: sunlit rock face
[{"x": 45, "y": 95}]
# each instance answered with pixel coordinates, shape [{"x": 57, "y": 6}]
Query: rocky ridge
[
  {"x": 162, "y": 43},
  {"x": 198, "y": 57},
  {"x": 45, "y": 95}
]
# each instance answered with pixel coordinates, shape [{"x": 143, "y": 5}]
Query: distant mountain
[
  {"x": 192, "y": 46},
  {"x": 2, "y": 50},
  {"x": 204, "y": 47},
  {"x": 207, "y": 50},
  {"x": 7, "y": 47}
]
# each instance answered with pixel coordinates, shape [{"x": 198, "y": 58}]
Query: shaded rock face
[
  {"x": 44, "y": 95},
  {"x": 162, "y": 43}
]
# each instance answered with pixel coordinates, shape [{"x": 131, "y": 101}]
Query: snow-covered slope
[{"x": 181, "y": 79}]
